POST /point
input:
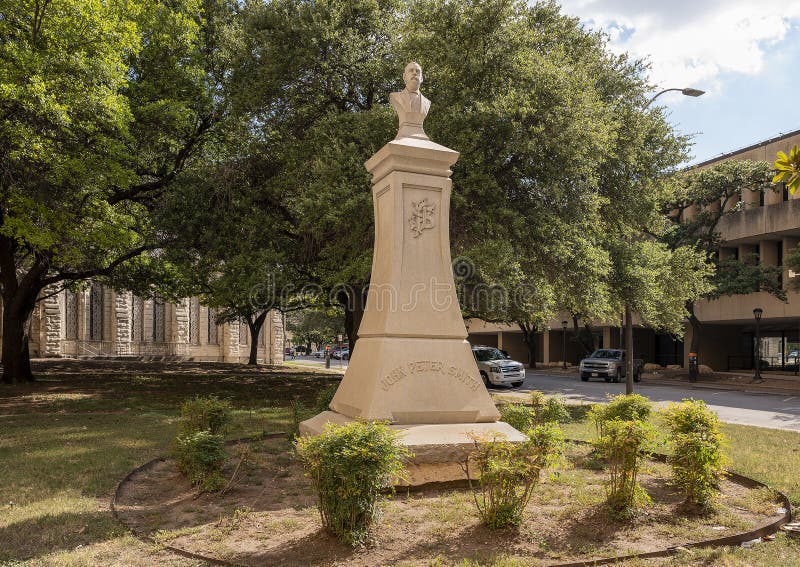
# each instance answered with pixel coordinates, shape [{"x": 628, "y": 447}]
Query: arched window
[
  {"x": 213, "y": 336},
  {"x": 96, "y": 312},
  {"x": 71, "y": 315},
  {"x": 158, "y": 321}
]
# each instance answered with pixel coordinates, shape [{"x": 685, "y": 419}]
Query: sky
[{"x": 744, "y": 53}]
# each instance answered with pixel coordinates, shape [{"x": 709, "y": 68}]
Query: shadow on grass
[
  {"x": 46, "y": 534},
  {"x": 114, "y": 386}
]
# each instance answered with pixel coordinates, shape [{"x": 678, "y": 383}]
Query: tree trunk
[
  {"x": 628, "y": 350},
  {"x": 255, "y": 327},
  {"x": 529, "y": 337},
  {"x": 353, "y": 302},
  {"x": 697, "y": 329},
  {"x": 16, "y": 324}
]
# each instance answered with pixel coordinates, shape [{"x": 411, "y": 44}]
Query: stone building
[{"x": 101, "y": 322}]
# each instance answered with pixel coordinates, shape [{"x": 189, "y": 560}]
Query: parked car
[
  {"x": 609, "y": 363},
  {"x": 288, "y": 351},
  {"x": 318, "y": 354},
  {"x": 341, "y": 354},
  {"x": 496, "y": 367}
]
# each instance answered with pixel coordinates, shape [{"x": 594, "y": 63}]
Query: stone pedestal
[{"x": 412, "y": 364}]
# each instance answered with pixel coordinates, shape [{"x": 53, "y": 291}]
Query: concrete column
[
  {"x": 51, "y": 345},
  {"x": 546, "y": 347},
  {"x": 745, "y": 250},
  {"x": 181, "y": 329},
  {"x": 229, "y": 342},
  {"x": 689, "y": 213},
  {"x": 500, "y": 340},
  {"x": 276, "y": 337},
  {"x": 789, "y": 243},
  {"x": 750, "y": 198},
  {"x": 606, "y": 337},
  {"x": 768, "y": 253},
  {"x": 773, "y": 197},
  {"x": 123, "y": 310}
]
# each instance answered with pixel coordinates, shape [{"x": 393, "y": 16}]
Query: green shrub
[
  {"x": 508, "y": 472},
  {"x": 631, "y": 407},
  {"x": 625, "y": 445},
  {"x": 518, "y": 416},
  {"x": 350, "y": 465},
  {"x": 205, "y": 413},
  {"x": 201, "y": 456},
  {"x": 697, "y": 459},
  {"x": 548, "y": 409},
  {"x": 542, "y": 410}
]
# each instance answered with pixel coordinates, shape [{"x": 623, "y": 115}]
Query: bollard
[{"x": 693, "y": 371}]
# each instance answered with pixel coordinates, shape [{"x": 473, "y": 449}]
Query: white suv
[{"x": 496, "y": 367}]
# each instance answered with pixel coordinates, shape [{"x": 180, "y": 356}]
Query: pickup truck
[{"x": 609, "y": 363}]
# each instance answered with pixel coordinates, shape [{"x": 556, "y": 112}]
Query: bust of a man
[{"x": 411, "y": 106}]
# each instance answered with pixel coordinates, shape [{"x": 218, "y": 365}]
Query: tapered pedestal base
[{"x": 439, "y": 449}]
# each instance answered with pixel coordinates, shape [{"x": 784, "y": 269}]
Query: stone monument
[{"x": 412, "y": 364}]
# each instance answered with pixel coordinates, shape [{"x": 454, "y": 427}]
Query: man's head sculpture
[{"x": 412, "y": 76}]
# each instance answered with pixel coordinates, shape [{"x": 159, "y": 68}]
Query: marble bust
[{"x": 410, "y": 104}]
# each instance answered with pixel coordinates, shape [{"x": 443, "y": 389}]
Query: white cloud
[{"x": 691, "y": 43}]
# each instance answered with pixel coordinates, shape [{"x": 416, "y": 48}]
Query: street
[{"x": 763, "y": 410}]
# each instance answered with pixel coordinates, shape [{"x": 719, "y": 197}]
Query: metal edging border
[
  {"x": 768, "y": 528},
  {"x": 148, "y": 539}
]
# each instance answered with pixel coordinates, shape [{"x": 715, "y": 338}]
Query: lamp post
[
  {"x": 564, "y": 343},
  {"x": 688, "y": 91},
  {"x": 757, "y": 312}
]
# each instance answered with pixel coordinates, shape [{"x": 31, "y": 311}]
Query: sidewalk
[{"x": 785, "y": 384}]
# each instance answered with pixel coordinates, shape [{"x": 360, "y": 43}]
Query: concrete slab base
[{"x": 438, "y": 448}]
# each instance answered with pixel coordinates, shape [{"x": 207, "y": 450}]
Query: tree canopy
[{"x": 104, "y": 103}]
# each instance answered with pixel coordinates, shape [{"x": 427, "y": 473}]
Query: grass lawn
[{"x": 66, "y": 441}]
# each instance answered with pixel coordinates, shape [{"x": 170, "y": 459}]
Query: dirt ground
[{"x": 268, "y": 517}]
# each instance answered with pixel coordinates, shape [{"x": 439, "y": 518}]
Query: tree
[
  {"x": 545, "y": 118},
  {"x": 315, "y": 325},
  {"x": 712, "y": 194},
  {"x": 103, "y": 105}
]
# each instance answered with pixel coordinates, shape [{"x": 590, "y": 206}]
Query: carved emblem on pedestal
[{"x": 421, "y": 216}]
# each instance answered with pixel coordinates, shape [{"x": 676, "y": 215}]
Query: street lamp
[
  {"x": 757, "y": 312},
  {"x": 688, "y": 91},
  {"x": 564, "y": 343}
]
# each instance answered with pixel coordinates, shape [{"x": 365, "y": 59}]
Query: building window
[
  {"x": 212, "y": 326},
  {"x": 137, "y": 319},
  {"x": 96, "y": 312},
  {"x": 784, "y": 191},
  {"x": 71, "y": 315},
  {"x": 760, "y": 198},
  {"x": 158, "y": 321},
  {"x": 194, "y": 321}
]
